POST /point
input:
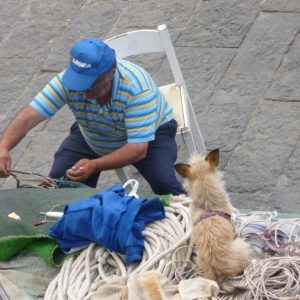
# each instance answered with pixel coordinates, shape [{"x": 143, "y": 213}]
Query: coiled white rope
[
  {"x": 167, "y": 248},
  {"x": 267, "y": 233},
  {"x": 276, "y": 277}
]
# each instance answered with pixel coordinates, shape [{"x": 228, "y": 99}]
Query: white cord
[
  {"x": 167, "y": 248},
  {"x": 134, "y": 184}
]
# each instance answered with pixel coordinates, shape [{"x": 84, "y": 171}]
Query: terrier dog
[{"x": 220, "y": 254}]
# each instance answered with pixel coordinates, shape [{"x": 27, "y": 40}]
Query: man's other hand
[
  {"x": 5, "y": 163},
  {"x": 82, "y": 170}
]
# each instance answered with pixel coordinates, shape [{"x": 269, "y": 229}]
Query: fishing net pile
[{"x": 272, "y": 274}]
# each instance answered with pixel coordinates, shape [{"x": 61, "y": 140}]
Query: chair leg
[
  {"x": 197, "y": 136},
  {"x": 121, "y": 173},
  {"x": 189, "y": 143}
]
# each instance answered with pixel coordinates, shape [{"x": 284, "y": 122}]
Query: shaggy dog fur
[{"x": 220, "y": 254}]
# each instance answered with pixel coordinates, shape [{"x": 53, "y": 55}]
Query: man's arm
[
  {"x": 25, "y": 120},
  {"x": 143, "y": 105},
  {"x": 126, "y": 155}
]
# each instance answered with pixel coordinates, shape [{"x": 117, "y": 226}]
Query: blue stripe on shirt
[{"x": 134, "y": 113}]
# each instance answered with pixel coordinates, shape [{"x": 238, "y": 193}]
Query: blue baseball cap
[{"x": 89, "y": 58}]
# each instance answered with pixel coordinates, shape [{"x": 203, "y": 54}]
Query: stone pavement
[{"x": 240, "y": 60}]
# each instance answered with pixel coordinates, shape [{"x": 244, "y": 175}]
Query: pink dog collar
[{"x": 212, "y": 213}]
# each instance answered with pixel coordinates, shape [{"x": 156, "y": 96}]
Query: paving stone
[
  {"x": 175, "y": 15},
  {"x": 117, "y": 23},
  {"x": 281, "y": 6},
  {"x": 292, "y": 168},
  {"x": 202, "y": 69},
  {"x": 226, "y": 115},
  {"x": 266, "y": 43},
  {"x": 38, "y": 23},
  {"x": 265, "y": 147},
  {"x": 220, "y": 23},
  {"x": 8, "y": 183},
  {"x": 251, "y": 201},
  {"x": 285, "y": 85},
  {"x": 247, "y": 79},
  {"x": 20, "y": 92},
  {"x": 8, "y": 14},
  {"x": 101, "y": 16},
  {"x": 38, "y": 155},
  {"x": 37, "y": 83},
  {"x": 35, "y": 23},
  {"x": 286, "y": 200}
]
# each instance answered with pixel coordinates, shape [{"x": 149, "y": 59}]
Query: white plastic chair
[{"x": 149, "y": 41}]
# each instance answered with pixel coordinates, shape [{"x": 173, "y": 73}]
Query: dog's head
[{"x": 198, "y": 168}]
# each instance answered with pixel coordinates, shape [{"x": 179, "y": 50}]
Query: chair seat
[{"x": 173, "y": 96}]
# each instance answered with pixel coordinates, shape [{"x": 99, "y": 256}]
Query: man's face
[{"x": 101, "y": 88}]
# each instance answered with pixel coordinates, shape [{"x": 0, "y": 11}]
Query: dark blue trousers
[{"x": 157, "y": 167}]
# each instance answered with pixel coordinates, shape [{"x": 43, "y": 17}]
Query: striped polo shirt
[{"x": 136, "y": 109}]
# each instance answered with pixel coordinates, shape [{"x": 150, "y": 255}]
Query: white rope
[
  {"x": 265, "y": 232},
  {"x": 276, "y": 277},
  {"x": 167, "y": 248}
]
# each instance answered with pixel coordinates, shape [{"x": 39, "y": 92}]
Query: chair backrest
[
  {"x": 151, "y": 41},
  {"x": 147, "y": 41}
]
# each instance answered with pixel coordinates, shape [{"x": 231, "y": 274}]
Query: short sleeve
[{"x": 51, "y": 98}]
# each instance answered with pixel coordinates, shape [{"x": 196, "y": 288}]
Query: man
[{"x": 121, "y": 118}]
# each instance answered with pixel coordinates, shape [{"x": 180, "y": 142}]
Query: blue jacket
[{"x": 109, "y": 218}]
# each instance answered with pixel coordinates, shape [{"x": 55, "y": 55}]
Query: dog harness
[{"x": 212, "y": 213}]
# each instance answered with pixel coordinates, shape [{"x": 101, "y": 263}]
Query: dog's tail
[{"x": 228, "y": 288}]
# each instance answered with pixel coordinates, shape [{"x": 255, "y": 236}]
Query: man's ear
[
  {"x": 183, "y": 169},
  {"x": 112, "y": 73},
  {"x": 213, "y": 158}
]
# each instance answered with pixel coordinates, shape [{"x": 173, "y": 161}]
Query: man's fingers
[
  {"x": 4, "y": 174},
  {"x": 75, "y": 173},
  {"x": 80, "y": 171},
  {"x": 77, "y": 168},
  {"x": 4, "y": 167},
  {"x": 76, "y": 177}
]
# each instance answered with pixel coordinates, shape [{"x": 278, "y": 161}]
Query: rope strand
[
  {"x": 168, "y": 249},
  {"x": 165, "y": 241}
]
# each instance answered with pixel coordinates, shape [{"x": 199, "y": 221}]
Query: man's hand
[
  {"x": 5, "y": 163},
  {"x": 82, "y": 170},
  {"x": 124, "y": 156}
]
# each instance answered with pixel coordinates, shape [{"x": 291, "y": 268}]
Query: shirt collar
[{"x": 115, "y": 85}]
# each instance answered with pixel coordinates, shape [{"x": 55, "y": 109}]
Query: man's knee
[
  {"x": 165, "y": 185},
  {"x": 60, "y": 165}
]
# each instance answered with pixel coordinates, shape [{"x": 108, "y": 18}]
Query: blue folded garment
[{"x": 109, "y": 218}]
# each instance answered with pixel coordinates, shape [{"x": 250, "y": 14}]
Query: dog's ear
[
  {"x": 183, "y": 169},
  {"x": 213, "y": 158}
]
